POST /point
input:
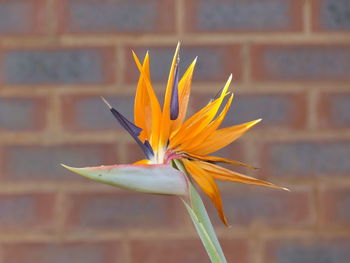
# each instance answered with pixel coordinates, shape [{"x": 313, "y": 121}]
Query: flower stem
[{"x": 202, "y": 223}]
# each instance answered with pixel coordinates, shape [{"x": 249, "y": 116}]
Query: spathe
[{"x": 155, "y": 179}]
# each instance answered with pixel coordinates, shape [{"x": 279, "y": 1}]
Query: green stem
[{"x": 202, "y": 223}]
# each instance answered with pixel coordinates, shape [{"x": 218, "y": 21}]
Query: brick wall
[{"x": 291, "y": 65}]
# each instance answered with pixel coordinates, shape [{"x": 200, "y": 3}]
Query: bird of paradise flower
[{"x": 177, "y": 150}]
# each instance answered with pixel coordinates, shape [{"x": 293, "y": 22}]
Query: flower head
[{"x": 164, "y": 135}]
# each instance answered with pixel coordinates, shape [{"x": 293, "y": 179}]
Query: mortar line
[
  {"x": 119, "y": 66},
  {"x": 2, "y": 260},
  {"x": 211, "y": 38},
  {"x": 317, "y": 207},
  {"x": 55, "y": 120},
  {"x": 60, "y": 213},
  {"x": 257, "y": 245},
  {"x": 311, "y": 102},
  {"x": 307, "y": 17},
  {"x": 179, "y": 19},
  {"x": 52, "y": 19},
  {"x": 246, "y": 64},
  {"x": 126, "y": 251}
]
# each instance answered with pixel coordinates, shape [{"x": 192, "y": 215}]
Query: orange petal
[
  {"x": 207, "y": 184},
  {"x": 144, "y": 161},
  {"x": 218, "y": 159},
  {"x": 155, "y": 107},
  {"x": 199, "y": 121},
  {"x": 165, "y": 121},
  {"x": 223, "y": 137},
  {"x": 221, "y": 173},
  {"x": 142, "y": 105},
  {"x": 193, "y": 142},
  {"x": 184, "y": 94}
]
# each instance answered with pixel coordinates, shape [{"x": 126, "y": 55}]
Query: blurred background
[{"x": 291, "y": 65}]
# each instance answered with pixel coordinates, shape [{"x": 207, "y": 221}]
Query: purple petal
[
  {"x": 174, "y": 102},
  {"x": 134, "y": 131},
  {"x": 126, "y": 123},
  {"x": 148, "y": 148}
]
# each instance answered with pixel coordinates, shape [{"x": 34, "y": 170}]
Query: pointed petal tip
[
  {"x": 254, "y": 122},
  {"x": 286, "y": 189},
  {"x": 72, "y": 169},
  {"x": 106, "y": 102},
  {"x": 65, "y": 166}
]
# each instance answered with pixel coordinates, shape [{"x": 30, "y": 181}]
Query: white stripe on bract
[{"x": 156, "y": 179}]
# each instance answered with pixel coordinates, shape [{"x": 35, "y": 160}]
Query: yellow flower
[{"x": 165, "y": 135}]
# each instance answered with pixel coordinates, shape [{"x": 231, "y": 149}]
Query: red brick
[
  {"x": 236, "y": 250},
  {"x": 78, "y": 252},
  {"x": 22, "y": 114},
  {"x": 22, "y": 17},
  {"x": 215, "y": 63},
  {"x": 243, "y": 16},
  {"x": 301, "y": 62},
  {"x": 302, "y": 159},
  {"x": 133, "y": 153},
  {"x": 57, "y": 66},
  {"x": 116, "y": 16},
  {"x": 331, "y": 250},
  {"x": 26, "y": 212},
  {"x": 37, "y": 162},
  {"x": 335, "y": 206},
  {"x": 334, "y": 110},
  {"x": 117, "y": 211},
  {"x": 90, "y": 113},
  {"x": 332, "y": 15},
  {"x": 183, "y": 250},
  {"x": 246, "y": 205}
]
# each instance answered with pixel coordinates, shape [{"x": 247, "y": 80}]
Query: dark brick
[
  {"x": 334, "y": 110},
  {"x": 43, "y": 162},
  {"x": 308, "y": 251},
  {"x": 91, "y": 113},
  {"x": 301, "y": 159},
  {"x": 101, "y": 252},
  {"x": 301, "y": 63},
  {"x": 215, "y": 63},
  {"x": 332, "y": 14},
  {"x": 57, "y": 66},
  {"x": 252, "y": 204},
  {"x": 268, "y": 206},
  {"x": 25, "y": 210},
  {"x": 116, "y": 211},
  {"x": 22, "y": 17},
  {"x": 335, "y": 206},
  {"x": 22, "y": 114},
  {"x": 118, "y": 16},
  {"x": 239, "y": 15},
  {"x": 275, "y": 110},
  {"x": 171, "y": 251}
]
